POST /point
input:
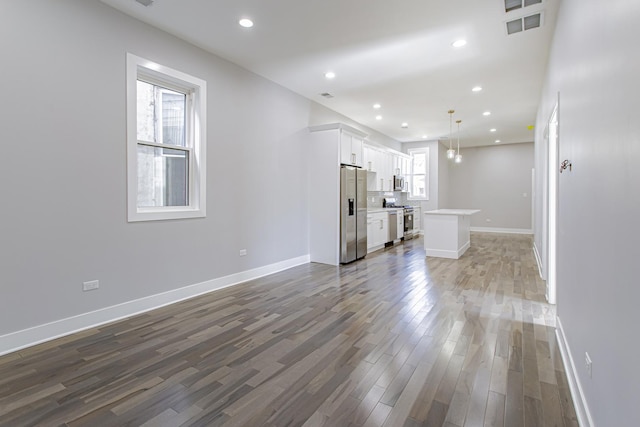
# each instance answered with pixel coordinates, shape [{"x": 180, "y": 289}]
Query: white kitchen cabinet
[
  {"x": 370, "y": 231},
  {"x": 325, "y": 153},
  {"x": 400, "y": 225},
  {"x": 377, "y": 230},
  {"x": 417, "y": 220},
  {"x": 396, "y": 162},
  {"x": 368, "y": 155},
  {"x": 384, "y": 163},
  {"x": 351, "y": 149}
]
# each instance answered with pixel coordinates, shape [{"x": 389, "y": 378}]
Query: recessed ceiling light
[
  {"x": 498, "y": 141},
  {"x": 404, "y": 125},
  {"x": 459, "y": 43},
  {"x": 493, "y": 130},
  {"x": 477, "y": 89},
  {"x": 378, "y": 117},
  {"x": 246, "y": 23},
  {"x": 424, "y": 136},
  {"x": 377, "y": 106},
  {"x": 330, "y": 74},
  {"x": 486, "y": 113}
]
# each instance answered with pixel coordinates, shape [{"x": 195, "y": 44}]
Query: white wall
[
  {"x": 63, "y": 219},
  {"x": 594, "y": 66},
  {"x": 443, "y": 177},
  {"x": 497, "y": 180}
]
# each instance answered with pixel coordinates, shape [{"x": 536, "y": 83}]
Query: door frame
[{"x": 553, "y": 150}]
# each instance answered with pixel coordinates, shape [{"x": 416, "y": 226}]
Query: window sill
[{"x": 155, "y": 214}]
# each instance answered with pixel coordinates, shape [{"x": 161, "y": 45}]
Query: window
[
  {"x": 419, "y": 174},
  {"x": 165, "y": 142}
]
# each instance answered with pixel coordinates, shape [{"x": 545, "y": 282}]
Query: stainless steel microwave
[{"x": 398, "y": 183}]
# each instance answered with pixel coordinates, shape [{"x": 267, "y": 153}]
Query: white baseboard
[
  {"x": 38, "y": 334},
  {"x": 579, "y": 400},
  {"x": 502, "y": 230},
  {"x": 451, "y": 254},
  {"x": 538, "y": 260}
]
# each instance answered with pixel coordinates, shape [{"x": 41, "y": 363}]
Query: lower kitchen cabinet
[
  {"x": 417, "y": 220},
  {"x": 377, "y": 230},
  {"x": 400, "y": 225}
]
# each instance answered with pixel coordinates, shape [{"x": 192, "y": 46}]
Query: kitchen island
[{"x": 447, "y": 232}]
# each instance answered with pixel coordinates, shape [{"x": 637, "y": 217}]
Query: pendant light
[
  {"x": 458, "y": 157},
  {"x": 451, "y": 153}
]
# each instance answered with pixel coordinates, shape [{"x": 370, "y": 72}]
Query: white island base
[{"x": 447, "y": 232}]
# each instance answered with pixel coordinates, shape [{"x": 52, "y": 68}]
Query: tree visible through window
[{"x": 419, "y": 176}]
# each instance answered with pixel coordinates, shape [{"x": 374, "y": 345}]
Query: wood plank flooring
[{"x": 396, "y": 339}]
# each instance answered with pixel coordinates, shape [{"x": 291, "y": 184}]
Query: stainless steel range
[{"x": 391, "y": 202}]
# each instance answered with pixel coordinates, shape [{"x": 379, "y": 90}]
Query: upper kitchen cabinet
[
  {"x": 351, "y": 149},
  {"x": 401, "y": 164},
  {"x": 384, "y": 163},
  {"x": 350, "y": 142}
]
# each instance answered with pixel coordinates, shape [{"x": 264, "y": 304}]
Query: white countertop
[
  {"x": 376, "y": 210},
  {"x": 460, "y": 212}
]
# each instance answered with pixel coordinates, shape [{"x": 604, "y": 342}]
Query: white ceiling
[{"x": 396, "y": 53}]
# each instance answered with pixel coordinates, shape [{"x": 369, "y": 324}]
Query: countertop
[
  {"x": 460, "y": 212},
  {"x": 376, "y": 210}
]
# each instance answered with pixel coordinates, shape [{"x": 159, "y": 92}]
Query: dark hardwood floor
[{"x": 394, "y": 340}]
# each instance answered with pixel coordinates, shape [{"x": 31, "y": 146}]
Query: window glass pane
[
  {"x": 419, "y": 163},
  {"x": 146, "y": 115},
  {"x": 162, "y": 177},
  {"x": 161, "y": 114},
  {"x": 418, "y": 186},
  {"x": 173, "y": 111}
]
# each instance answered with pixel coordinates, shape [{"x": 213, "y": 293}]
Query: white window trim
[
  {"x": 197, "y": 88},
  {"x": 412, "y": 151}
]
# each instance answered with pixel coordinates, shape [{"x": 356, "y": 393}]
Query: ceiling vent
[
  {"x": 326, "y": 95},
  {"x": 510, "y": 5},
  {"x": 145, "y": 2},
  {"x": 524, "y": 24}
]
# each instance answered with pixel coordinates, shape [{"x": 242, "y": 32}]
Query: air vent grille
[
  {"x": 523, "y": 24},
  {"x": 532, "y": 21},
  {"x": 514, "y": 26},
  {"x": 510, "y": 5},
  {"x": 531, "y": 2},
  {"x": 326, "y": 95}
]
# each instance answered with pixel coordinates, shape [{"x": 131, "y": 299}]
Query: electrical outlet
[
  {"x": 243, "y": 252},
  {"x": 588, "y": 363},
  {"x": 91, "y": 285}
]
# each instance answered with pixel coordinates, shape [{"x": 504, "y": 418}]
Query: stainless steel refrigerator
[{"x": 353, "y": 213}]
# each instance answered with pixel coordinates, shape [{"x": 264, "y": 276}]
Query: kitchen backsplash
[{"x": 374, "y": 198}]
